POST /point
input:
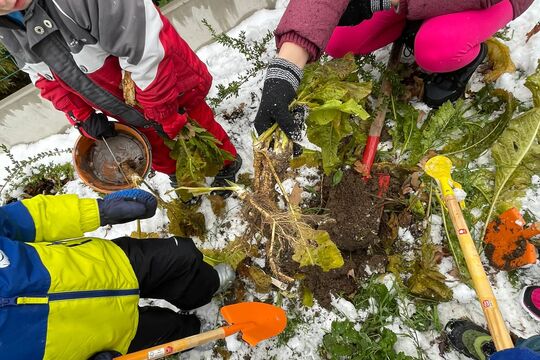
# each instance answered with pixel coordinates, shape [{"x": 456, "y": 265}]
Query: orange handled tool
[
  {"x": 439, "y": 168},
  {"x": 256, "y": 321}
]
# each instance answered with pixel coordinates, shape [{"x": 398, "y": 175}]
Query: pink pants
[{"x": 443, "y": 43}]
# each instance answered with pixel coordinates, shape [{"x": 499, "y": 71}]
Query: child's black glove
[
  {"x": 360, "y": 10},
  {"x": 125, "y": 206},
  {"x": 97, "y": 126},
  {"x": 279, "y": 90}
]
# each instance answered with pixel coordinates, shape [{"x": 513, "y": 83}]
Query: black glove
[
  {"x": 125, "y": 206},
  {"x": 96, "y": 126},
  {"x": 360, "y": 10},
  {"x": 105, "y": 355},
  {"x": 279, "y": 90}
]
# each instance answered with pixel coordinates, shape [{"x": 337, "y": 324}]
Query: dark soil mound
[
  {"x": 344, "y": 281},
  {"x": 356, "y": 209}
]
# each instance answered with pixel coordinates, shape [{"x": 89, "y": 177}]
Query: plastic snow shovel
[
  {"x": 376, "y": 127},
  {"x": 439, "y": 168},
  {"x": 257, "y": 322},
  {"x": 507, "y": 241}
]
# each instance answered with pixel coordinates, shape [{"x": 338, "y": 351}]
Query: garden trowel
[{"x": 507, "y": 241}]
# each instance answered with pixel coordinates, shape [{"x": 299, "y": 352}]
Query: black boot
[
  {"x": 228, "y": 173},
  {"x": 444, "y": 87}
]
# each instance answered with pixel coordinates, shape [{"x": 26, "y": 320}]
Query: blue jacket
[{"x": 62, "y": 299}]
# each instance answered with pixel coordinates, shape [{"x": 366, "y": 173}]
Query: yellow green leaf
[
  {"x": 499, "y": 56},
  {"x": 319, "y": 250}
]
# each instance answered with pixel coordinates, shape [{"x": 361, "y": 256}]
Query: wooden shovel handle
[
  {"x": 494, "y": 319},
  {"x": 173, "y": 347}
]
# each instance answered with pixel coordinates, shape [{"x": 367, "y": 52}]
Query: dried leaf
[
  {"x": 499, "y": 57},
  {"x": 263, "y": 282},
  {"x": 295, "y": 198},
  {"x": 533, "y": 32},
  {"x": 429, "y": 284},
  {"x": 218, "y": 204},
  {"x": 145, "y": 235},
  {"x": 128, "y": 88}
]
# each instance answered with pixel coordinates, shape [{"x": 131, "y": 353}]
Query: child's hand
[{"x": 125, "y": 206}]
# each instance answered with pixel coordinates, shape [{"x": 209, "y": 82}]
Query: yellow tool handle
[
  {"x": 495, "y": 321},
  {"x": 173, "y": 347}
]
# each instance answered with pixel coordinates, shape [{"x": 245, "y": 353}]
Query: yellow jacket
[{"x": 62, "y": 296}]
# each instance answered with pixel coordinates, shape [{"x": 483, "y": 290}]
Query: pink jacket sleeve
[{"x": 309, "y": 24}]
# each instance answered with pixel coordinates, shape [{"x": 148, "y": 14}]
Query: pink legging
[{"x": 443, "y": 43}]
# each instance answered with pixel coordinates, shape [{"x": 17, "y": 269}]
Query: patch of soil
[
  {"x": 356, "y": 209},
  {"x": 344, "y": 281}
]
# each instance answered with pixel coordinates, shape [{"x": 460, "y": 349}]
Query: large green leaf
[
  {"x": 517, "y": 155},
  {"x": 328, "y": 137}
]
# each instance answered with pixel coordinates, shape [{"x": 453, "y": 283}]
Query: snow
[{"x": 224, "y": 65}]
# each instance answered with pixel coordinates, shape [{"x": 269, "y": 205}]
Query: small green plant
[
  {"x": 371, "y": 339},
  {"x": 18, "y": 170},
  {"x": 197, "y": 154},
  {"x": 47, "y": 179},
  {"x": 253, "y": 52}
]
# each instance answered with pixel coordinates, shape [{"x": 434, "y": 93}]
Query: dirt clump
[
  {"x": 356, "y": 209},
  {"x": 344, "y": 281}
]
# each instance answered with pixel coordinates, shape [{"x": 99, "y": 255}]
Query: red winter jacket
[
  {"x": 310, "y": 23},
  {"x": 105, "y": 38}
]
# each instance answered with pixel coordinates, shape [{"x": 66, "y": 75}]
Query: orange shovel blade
[
  {"x": 257, "y": 321},
  {"x": 507, "y": 241}
]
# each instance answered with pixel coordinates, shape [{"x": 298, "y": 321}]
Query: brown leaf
[
  {"x": 128, "y": 88},
  {"x": 218, "y": 204},
  {"x": 424, "y": 160},
  {"x": 499, "y": 57},
  {"x": 360, "y": 168},
  {"x": 535, "y": 30},
  {"x": 350, "y": 274},
  {"x": 415, "y": 180},
  {"x": 296, "y": 195}
]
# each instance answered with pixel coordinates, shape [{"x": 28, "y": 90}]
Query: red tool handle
[{"x": 369, "y": 154}]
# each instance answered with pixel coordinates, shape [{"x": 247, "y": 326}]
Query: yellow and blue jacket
[{"x": 62, "y": 299}]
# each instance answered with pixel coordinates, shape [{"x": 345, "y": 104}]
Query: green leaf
[
  {"x": 197, "y": 155},
  {"x": 481, "y": 139},
  {"x": 517, "y": 158},
  {"x": 517, "y": 154},
  {"x": 320, "y": 251},
  {"x": 444, "y": 120},
  {"x": 307, "y": 297},
  {"x": 338, "y": 175},
  {"x": 309, "y": 158},
  {"x": 533, "y": 83},
  {"x": 328, "y": 137},
  {"x": 233, "y": 254}
]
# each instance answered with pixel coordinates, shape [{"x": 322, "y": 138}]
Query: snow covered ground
[{"x": 225, "y": 64}]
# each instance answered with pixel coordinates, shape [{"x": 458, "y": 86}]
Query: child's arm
[
  {"x": 49, "y": 218},
  {"x": 161, "y": 64}
]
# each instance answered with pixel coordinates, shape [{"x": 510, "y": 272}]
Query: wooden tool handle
[
  {"x": 173, "y": 347},
  {"x": 495, "y": 321}
]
